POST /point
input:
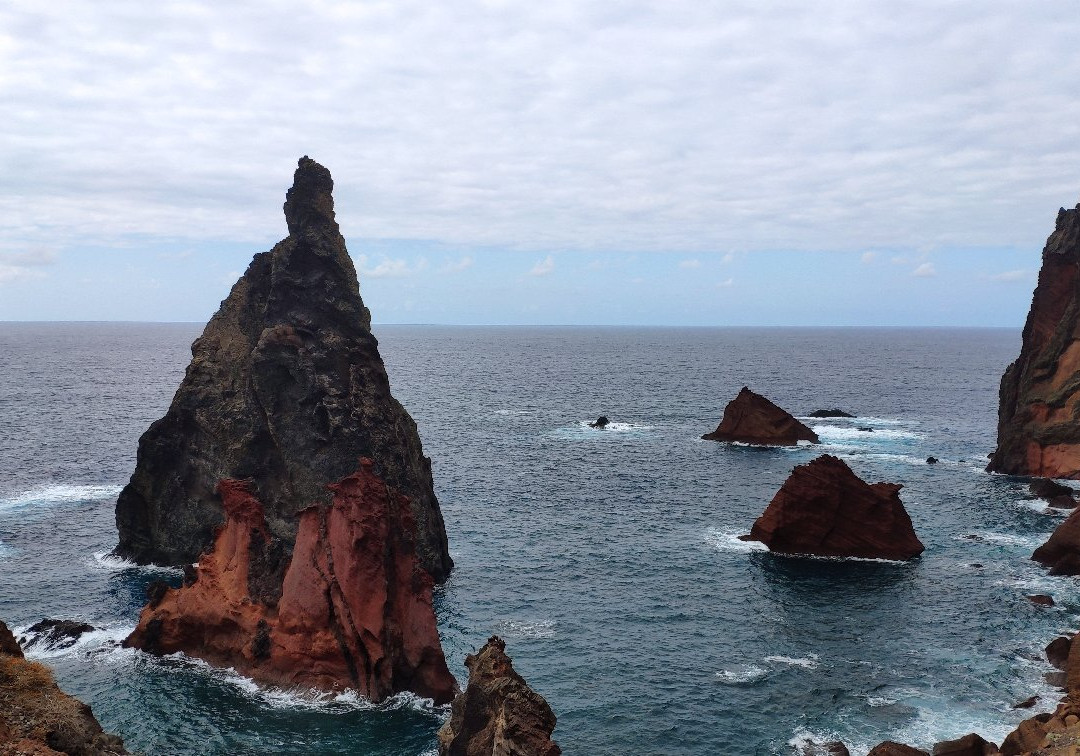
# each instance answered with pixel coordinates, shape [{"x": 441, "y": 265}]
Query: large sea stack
[
  {"x": 286, "y": 390},
  {"x": 825, "y": 509},
  {"x": 286, "y": 468},
  {"x": 750, "y": 418},
  {"x": 1039, "y": 412}
]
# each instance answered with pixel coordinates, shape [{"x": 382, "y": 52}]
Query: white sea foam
[
  {"x": 526, "y": 628},
  {"x": 510, "y": 412},
  {"x": 742, "y": 674},
  {"x": 1041, "y": 506},
  {"x": 103, "y": 560},
  {"x": 94, "y": 641},
  {"x": 1007, "y": 539},
  {"x": 838, "y": 433},
  {"x": 810, "y": 662},
  {"x": 44, "y": 496},
  {"x": 728, "y": 540},
  {"x": 613, "y": 427}
]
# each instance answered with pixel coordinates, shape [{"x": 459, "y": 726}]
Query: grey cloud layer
[{"x": 684, "y": 126}]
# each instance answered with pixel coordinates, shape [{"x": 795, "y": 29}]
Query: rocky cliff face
[
  {"x": 498, "y": 714},
  {"x": 1039, "y": 412},
  {"x": 1061, "y": 553},
  {"x": 824, "y": 509},
  {"x": 36, "y": 717},
  {"x": 752, "y": 419},
  {"x": 285, "y": 389},
  {"x": 353, "y": 610}
]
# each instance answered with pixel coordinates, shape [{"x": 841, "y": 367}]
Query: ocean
[{"x": 607, "y": 559}]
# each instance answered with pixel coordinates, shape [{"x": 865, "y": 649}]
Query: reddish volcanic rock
[
  {"x": 1038, "y": 433},
  {"x": 354, "y": 609},
  {"x": 498, "y": 714},
  {"x": 969, "y": 745},
  {"x": 892, "y": 748},
  {"x": 824, "y": 509},
  {"x": 1061, "y": 553},
  {"x": 751, "y": 418}
]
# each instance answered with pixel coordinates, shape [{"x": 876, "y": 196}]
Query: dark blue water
[{"x": 608, "y": 560}]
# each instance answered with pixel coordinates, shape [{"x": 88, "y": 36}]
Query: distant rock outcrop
[
  {"x": 39, "y": 719},
  {"x": 601, "y": 422},
  {"x": 824, "y": 509},
  {"x": 1056, "y": 494},
  {"x": 498, "y": 714},
  {"x": 752, "y": 419},
  {"x": 52, "y": 633},
  {"x": 354, "y": 609},
  {"x": 830, "y": 413},
  {"x": 286, "y": 389},
  {"x": 1061, "y": 553},
  {"x": 1038, "y": 428}
]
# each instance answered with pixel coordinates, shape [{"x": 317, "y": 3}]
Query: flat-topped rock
[
  {"x": 752, "y": 419},
  {"x": 825, "y": 509}
]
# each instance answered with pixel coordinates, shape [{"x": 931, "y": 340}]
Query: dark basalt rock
[
  {"x": 833, "y": 748},
  {"x": 52, "y": 633},
  {"x": 1040, "y": 392},
  {"x": 601, "y": 422},
  {"x": 825, "y": 509},
  {"x": 498, "y": 713},
  {"x": 1056, "y": 495},
  {"x": 286, "y": 389},
  {"x": 931, "y": 460},
  {"x": 830, "y": 413},
  {"x": 1057, "y": 652},
  {"x": 865, "y": 429},
  {"x": 752, "y": 419},
  {"x": 1041, "y": 599},
  {"x": 1027, "y": 703},
  {"x": 969, "y": 745}
]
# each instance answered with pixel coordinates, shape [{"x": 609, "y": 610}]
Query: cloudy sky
[{"x": 676, "y": 162}]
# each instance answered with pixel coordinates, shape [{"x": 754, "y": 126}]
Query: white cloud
[
  {"x": 726, "y": 283},
  {"x": 728, "y": 258},
  {"x": 1011, "y": 275},
  {"x": 543, "y": 267},
  {"x": 457, "y": 266},
  {"x": 689, "y": 264},
  {"x": 899, "y": 260},
  {"x": 926, "y": 270},
  {"x": 388, "y": 267},
  {"x": 568, "y": 124},
  {"x": 24, "y": 266},
  {"x": 868, "y": 257}
]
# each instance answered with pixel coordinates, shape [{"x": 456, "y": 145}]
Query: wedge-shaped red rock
[
  {"x": 824, "y": 509},
  {"x": 354, "y": 608},
  {"x": 1061, "y": 553},
  {"x": 752, "y": 419}
]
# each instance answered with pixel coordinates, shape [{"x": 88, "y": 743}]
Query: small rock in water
[
  {"x": 810, "y": 748},
  {"x": 56, "y": 633},
  {"x": 1041, "y": 599},
  {"x": 977, "y": 566},
  {"x": 601, "y": 422},
  {"x": 931, "y": 460},
  {"x": 1027, "y": 703},
  {"x": 866, "y": 429},
  {"x": 830, "y": 413}
]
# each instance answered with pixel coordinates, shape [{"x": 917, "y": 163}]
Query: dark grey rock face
[{"x": 285, "y": 388}]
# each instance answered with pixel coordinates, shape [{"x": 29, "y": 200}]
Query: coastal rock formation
[
  {"x": 969, "y": 745},
  {"x": 353, "y": 610},
  {"x": 824, "y": 509},
  {"x": 1061, "y": 553},
  {"x": 38, "y": 718},
  {"x": 752, "y": 419},
  {"x": 498, "y": 714},
  {"x": 892, "y": 748},
  {"x": 55, "y": 633},
  {"x": 285, "y": 389},
  {"x": 830, "y": 413},
  {"x": 1056, "y": 494},
  {"x": 1038, "y": 428}
]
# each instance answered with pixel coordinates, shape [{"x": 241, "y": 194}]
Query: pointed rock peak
[{"x": 310, "y": 201}]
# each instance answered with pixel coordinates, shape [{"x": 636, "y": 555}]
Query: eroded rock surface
[
  {"x": 286, "y": 389},
  {"x": 825, "y": 509},
  {"x": 1061, "y": 553},
  {"x": 752, "y": 419},
  {"x": 36, "y": 717},
  {"x": 353, "y": 610},
  {"x": 498, "y": 714},
  {"x": 1038, "y": 428}
]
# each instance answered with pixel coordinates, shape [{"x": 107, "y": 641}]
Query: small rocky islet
[{"x": 328, "y": 486}]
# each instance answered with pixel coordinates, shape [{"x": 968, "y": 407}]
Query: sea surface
[{"x": 607, "y": 559}]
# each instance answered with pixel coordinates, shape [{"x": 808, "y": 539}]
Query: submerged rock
[
  {"x": 752, "y": 419},
  {"x": 56, "y": 633},
  {"x": 1061, "y": 553},
  {"x": 38, "y": 718},
  {"x": 830, "y": 413},
  {"x": 286, "y": 388},
  {"x": 498, "y": 714},
  {"x": 1040, "y": 392},
  {"x": 824, "y": 509},
  {"x": 354, "y": 609},
  {"x": 601, "y": 422},
  {"x": 1041, "y": 599}
]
